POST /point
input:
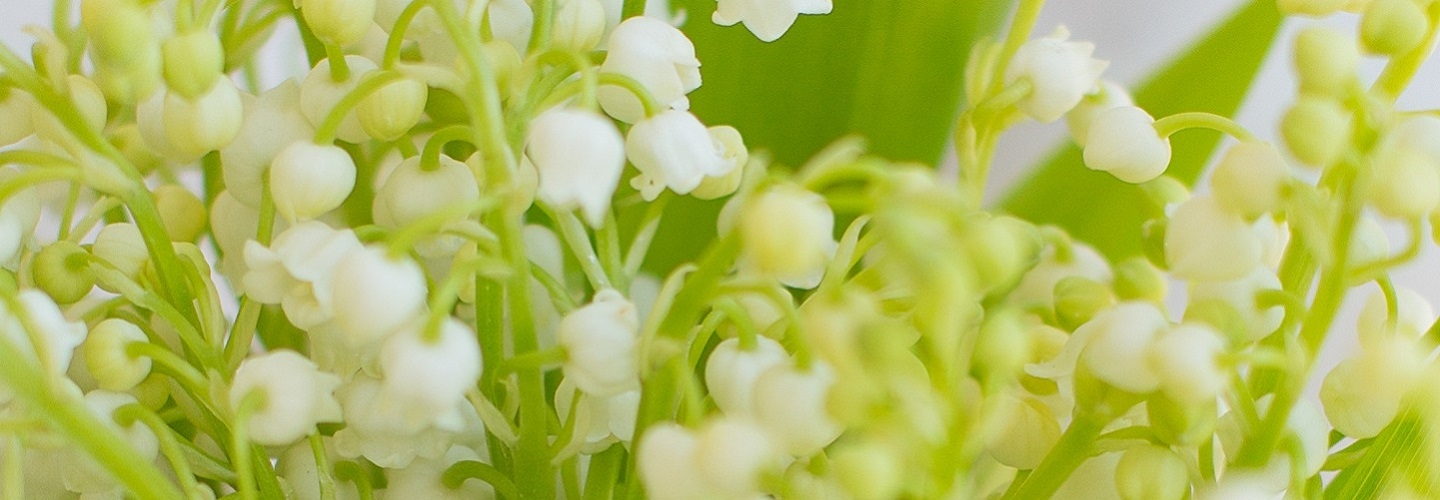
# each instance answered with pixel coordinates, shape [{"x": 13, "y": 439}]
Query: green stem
[
  {"x": 457, "y": 474},
  {"x": 169, "y": 446},
  {"x": 649, "y": 225},
  {"x": 578, "y": 240},
  {"x": 240, "y": 445},
  {"x": 323, "y": 474},
  {"x": 435, "y": 145},
  {"x": 325, "y": 133},
  {"x": 1167, "y": 126},
  {"x": 1400, "y": 70},
  {"x": 544, "y": 23},
  {"x": 1073, "y": 449},
  {"x": 170, "y": 363},
  {"x": 632, "y": 8},
  {"x": 339, "y": 67},
  {"x": 647, "y": 100},
  {"x": 1020, "y": 28},
  {"x": 397, "y": 33}
]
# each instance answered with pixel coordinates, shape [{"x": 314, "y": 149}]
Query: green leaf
[
  {"x": 889, "y": 71},
  {"x": 1213, "y": 76}
]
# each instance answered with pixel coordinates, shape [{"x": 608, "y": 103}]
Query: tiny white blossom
[
  {"x": 786, "y": 233},
  {"x": 601, "y": 420},
  {"x": 733, "y": 455},
  {"x": 271, "y": 122},
  {"x": 672, "y": 149},
  {"x": 656, "y": 55},
  {"x": 430, "y": 377},
  {"x": 423, "y": 479},
  {"x": 296, "y": 270},
  {"x": 105, "y": 357},
  {"x": 600, "y": 342},
  {"x": 579, "y": 24},
  {"x": 579, "y": 156},
  {"x": 319, "y": 93},
  {"x": 767, "y": 19},
  {"x": 1060, "y": 73},
  {"x": 790, "y": 404},
  {"x": 18, "y": 218},
  {"x": 1187, "y": 360},
  {"x": 1110, "y": 95},
  {"x": 1250, "y": 178},
  {"x": 1205, "y": 242},
  {"x": 1363, "y": 394},
  {"x": 1123, "y": 141},
  {"x": 82, "y": 474},
  {"x": 374, "y": 294},
  {"x": 340, "y": 22},
  {"x": 297, "y": 396},
  {"x": 308, "y": 179},
  {"x": 206, "y": 123},
  {"x": 381, "y": 432},
  {"x": 1241, "y": 295},
  {"x": 731, "y": 372},
  {"x": 1030, "y": 431},
  {"x": 1414, "y": 315},
  {"x": 1116, "y": 350}
]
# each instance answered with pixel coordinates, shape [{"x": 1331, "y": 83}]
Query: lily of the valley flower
[
  {"x": 785, "y": 233},
  {"x": 767, "y": 19},
  {"x": 308, "y": 179},
  {"x": 319, "y": 93},
  {"x": 731, "y": 372},
  {"x": 297, "y": 396},
  {"x": 1060, "y": 73},
  {"x": 430, "y": 377},
  {"x": 105, "y": 357},
  {"x": 656, "y": 55},
  {"x": 1123, "y": 141},
  {"x": 673, "y": 149},
  {"x": 600, "y": 342},
  {"x": 271, "y": 122},
  {"x": 297, "y": 269},
  {"x": 579, "y": 156},
  {"x": 790, "y": 404},
  {"x": 1206, "y": 243},
  {"x": 374, "y": 294},
  {"x": 339, "y": 22}
]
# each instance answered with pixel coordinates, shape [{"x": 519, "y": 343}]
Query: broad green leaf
[
  {"x": 1212, "y": 76},
  {"x": 890, "y": 71},
  {"x": 1398, "y": 458}
]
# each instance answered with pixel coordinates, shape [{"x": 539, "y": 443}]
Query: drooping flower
[
  {"x": 731, "y": 372},
  {"x": 600, "y": 342},
  {"x": 579, "y": 156},
  {"x": 656, "y": 55},
  {"x": 297, "y": 269},
  {"x": 767, "y": 19},
  {"x": 790, "y": 404},
  {"x": 1060, "y": 73},
  {"x": 375, "y": 294},
  {"x": 1123, "y": 142},
  {"x": 271, "y": 122},
  {"x": 785, "y": 233},
  {"x": 429, "y": 378},
  {"x": 308, "y": 179},
  {"x": 297, "y": 396},
  {"x": 673, "y": 150},
  {"x": 1206, "y": 243},
  {"x": 319, "y": 93}
]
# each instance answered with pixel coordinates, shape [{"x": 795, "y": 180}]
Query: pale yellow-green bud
[
  {"x": 1250, "y": 179},
  {"x": 1404, "y": 183},
  {"x": 193, "y": 61},
  {"x": 785, "y": 233},
  {"x": 734, "y": 153},
  {"x": 1310, "y": 7},
  {"x": 62, "y": 270},
  {"x": 339, "y": 22},
  {"x": 87, "y": 98},
  {"x": 1003, "y": 346},
  {"x": 1149, "y": 472},
  {"x": 1030, "y": 431},
  {"x": 104, "y": 351},
  {"x": 181, "y": 211},
  {"x": 121, "y": 246},
  {"x": 120, "y": 32},
  {"x": 129, "y": 84},
  {"x": 1325, "y": 61},
  {"x": 1077, "y": 299},
  {"x": 1317, "y": 130},
  {"x": 391, "y": 111},
  {"x": 869, "y": 470},
  {"x": 1137, "y": 279},
  {"x": 1181, "y": 424},
  {"x": 1392, "y": 27},
  {"x": 206, "y": 123}
]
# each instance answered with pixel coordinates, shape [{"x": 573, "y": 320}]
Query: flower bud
[
  {"x": 272, "y": 121},
  {"x": 308, "y": 179},
  {"x": 429, "y": 377},
  {"x": 791, "y": 405},
  {"x": 390, "y": 112},
  {"x": 121, "y": 246},
  {"x": 1078, "y": 120},
  {"x": 411, "y": 192},
  {"x": 297, "y": 396},
  {"x": 1119, "y": 340},
  {"x": 1003, "y": 345},
  {"x": 656, "y": 55},
  {"x": 579, "y": 25},
  {"x": 1077, "y": 299},
  {"x": 1250, "y": 179},
  {"x": 1414, "y": 317},
  {"x": 1149, "y": 472},
  {"x": 120, "y": 33},
  {"x": 579, "y": 156},
  {"x": 1030, "y": 431},
  {"x": 731, "y": 372},
  {"x": 1123, "y": 141},
  {"x": 735, "y": 156},
  {"x": 786, "y": 233},
  {"x": 338, "y": 22},
  {"x": 1315, "y": 8},
  {"x": 105, "y": 357},
  {"x": 672, "y": 149},
  {"x": 182, "y": 213},
  {"x": 87, "y": 98},
  {"x": 1058, "y": 261},
  {"x": 1060, "y": 73},
  {"x": 1404, "y": 183},
  {"x": 1187, "y": 358},
  {"x": 766, "y": 20},
  {"x": 193, "y": 61},
  {"x": 666, "y": 462},
  {"x": 869, "y": 470},
  {"x": 1325, "y": 61},
  {"x": 1317, "y": 130},
  {"x": 600, "y": 342},
  {"x": 375, "y": 295},
  {"x": 1393, "y": 27},
  {"x": 1255, "y": 321},
  {"x": 1363, "y": 394},
  {"x": 206, "y": 123},
  {"x": 1137, "y": 279},
  {"x": 319, "y": 93},
  {"x": 733, "y": 455},
  {"x": 62, "y": 271},
  {"x": 1204, "y": 242}
]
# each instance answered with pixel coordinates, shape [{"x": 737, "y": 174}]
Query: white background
[{"x": 1135, "y": 36}]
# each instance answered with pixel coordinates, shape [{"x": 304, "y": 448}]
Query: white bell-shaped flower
[
  {"x": 1110, "y": 95},
  {"x": 1205, "y": 242},
  {"x": 791, "y": 404},
  {"x": 411, "y": 193},
  {"x": 1187, "y": 358},
  {"x": 1241, "y": 296},
  {"x": 121, "y": 246},
  {"x": 786, "y": 234},
  {"x": 667, "y": 466},
  {"x": 429, "y": 377},
  {"x": 579, "y": 24},
  {"x": 511, "y": 21},
  {"x": 391, "y": 111},
  {"x": 1030, "y": 431},
  {"x": 319, "y": 93},
  {"x": 734, "y": 154},
  {"x": 733, "y": 455},
  {"x": 272, "y": 121},
  {"x": 374, "y": 294},
  {"x": 1037, "y": 286},
  {"x": 82, "y": 474},
  {"x": 1404, "y": 182},
  {"x": 767, "y": 19},
  {"x": 1152, "y": 472},
  {"x": 1414, "y": 315},
  {"x": 579, "y": 156},
  {"x": 656, "y": 55},
  {"x": 600, "y": 342},
  {"x": 105, "y": 357},
  {"x": 1363, "y": 394},
  {"x": 381, "y": 432},
  {"x": 297, "y": 269},
  {"x": 601, "y": 420},
  {"x": 1250, "y": 178},
  {"x": 1123, "y": 141},
  {"x": 1118, "y": 345},
  {"x": 18, "y": 218},
  {"x": 61, "y": 335},
  {"x": 297, "y": 466},
  {"x": 206, "y": 123},
  {"x": 731, "y": 372},
  {"x": 1060, "y": 73},
  {"x": 297, "y": 396},
  {"x": 308, "y": 179},
  {"x": 672, "y": 149},
  {"x": 424, "y": 479}
]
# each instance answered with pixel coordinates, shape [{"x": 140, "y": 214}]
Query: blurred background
[{"x": 1136, "y": 36}]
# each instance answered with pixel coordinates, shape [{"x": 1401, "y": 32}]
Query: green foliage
[{"x": 1212, "y": 76}]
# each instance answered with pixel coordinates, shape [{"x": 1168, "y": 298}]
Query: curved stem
[
  {"x": 397, "y": 33},
  {"x": 325, "y": 133},
  {"x": 1072, "y": 450},
  {"x": 169, "y": 446},
  {"x": 471, "y": 469},
  {"x": 245, "y": 485},
  {"x": 647, "y": 100},
  {"x": 435, "y": 145},
  {"x": 1167, "y": 126}
]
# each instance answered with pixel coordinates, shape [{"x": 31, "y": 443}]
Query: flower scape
[{"x": 433, "y": 266}]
